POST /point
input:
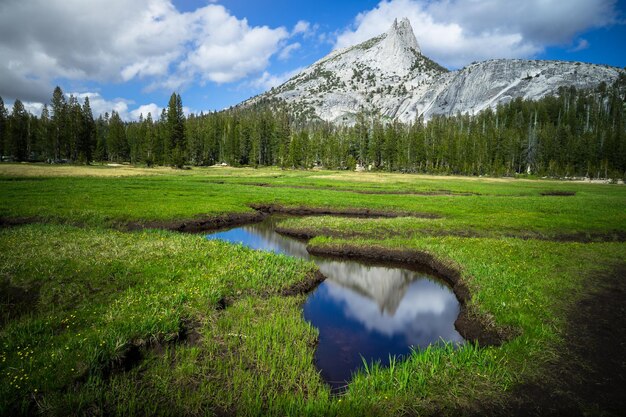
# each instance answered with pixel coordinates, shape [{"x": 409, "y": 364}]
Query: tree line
[{"x": 574, "y": 133}]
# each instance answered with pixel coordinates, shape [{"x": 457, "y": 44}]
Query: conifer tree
[
  {"x": 117, "y": 145},
  {"x": 150, "y": 141},
  {"x": 44, "y": 135},
  {"x": 176, "y": 131},
  {"x": 4, "y": 134},
  {"x": 18, "y": 143},
  {"x": 100, "y": 153},
  {"x": 59, "y": 121},
  {"x": 87, "y": 133},
  {"x": 73, "y": 131}
]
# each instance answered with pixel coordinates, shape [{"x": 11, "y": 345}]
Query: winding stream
[{"x": 361, "y": 310}]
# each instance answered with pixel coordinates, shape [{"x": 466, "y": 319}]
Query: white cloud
[
  {"x": 144, "y": 109},
  {"x": 301, "y": 27},
  {"x": 99, "y": 105},
  {"x": 227, "y": 49},
  {"x": 41, "y": 40},
  {"x": 456, "y": 32},
  {"x": 32, "y": 107},
  {"x": 120, "y": 41},
  {"x": 287, "y": 50}
]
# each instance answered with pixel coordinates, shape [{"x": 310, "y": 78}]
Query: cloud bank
[{"x": 42, "y": 41}]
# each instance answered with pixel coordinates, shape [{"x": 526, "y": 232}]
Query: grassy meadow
[{"x": 96, "y": 319}]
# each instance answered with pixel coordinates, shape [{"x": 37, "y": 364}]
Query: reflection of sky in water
[
  {"x": 362, "y": 310},
  {"x": 258, "y": 236}
]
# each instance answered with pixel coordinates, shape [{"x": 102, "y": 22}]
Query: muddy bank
[
  {"x": 308, "y": 234},
  {"x": 578, "y": 237},
  {"x": 583, "y": 237},
  {"x": 596, "y": 332},
  {"x": 472, "y": 326},
  {"x": 347, "y": 212},
  {"x": 197, "y": 225},
  {"x": 135, "y": 352},
  {"x": 558, "y": 193},
  {"x": 368, "y": 192},
  {"x": 589, "y": 375},
  {"x": 18, "y": 221},
  {"x": 16, "y": 301},
  {"x": 306, "y": 286}
]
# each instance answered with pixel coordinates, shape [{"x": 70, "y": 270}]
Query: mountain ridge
[{"x": 388, "y": 76}]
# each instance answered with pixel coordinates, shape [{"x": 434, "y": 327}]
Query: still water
[{"x": 362, "y": 311}]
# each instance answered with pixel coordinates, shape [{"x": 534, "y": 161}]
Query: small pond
[{"x": 361, "y": 310}]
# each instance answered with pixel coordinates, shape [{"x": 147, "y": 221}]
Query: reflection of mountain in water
[
  {"x": 425, "y": 312},
  {"x": 385, "y": 286}
]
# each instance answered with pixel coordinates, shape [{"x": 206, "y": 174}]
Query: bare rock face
[{"x": 388, "y": 76}]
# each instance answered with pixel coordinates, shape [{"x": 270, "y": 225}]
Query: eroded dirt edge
[
  {"x": 589, "y": 374},
  {"x": 347, "y": 212},
  {"x": 578, "y": 237}
]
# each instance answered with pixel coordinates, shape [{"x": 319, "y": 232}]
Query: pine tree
[
  {"x": 3, "y": 129},
  {"x": 59, "y": 121},
  {"x": 362, "y": 136},
  {"x": 102, "y": 127},
  {"x": 74, "y": 125},
  {"x": 149, "y": 140},
  {"x": 45, "y": 135},
  {"x": 87, "y": 133},
  {"x": 117, "y": 145},
  {"x": 18, "y": 143},
  {"x": 176, "y": 131}
]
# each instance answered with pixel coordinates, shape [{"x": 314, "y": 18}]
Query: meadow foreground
[{"x": 107, "y": 308}]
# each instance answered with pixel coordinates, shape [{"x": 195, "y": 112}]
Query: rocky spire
[{"x": 401, "y": 36}]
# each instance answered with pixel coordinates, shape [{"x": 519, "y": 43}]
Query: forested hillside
[{"x": 576, "y": 133}]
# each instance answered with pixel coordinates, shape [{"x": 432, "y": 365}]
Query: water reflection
[
  {"x": 360, "y": 317},
  {"x": 263, "y": 237},
  {"x": 386, "y": 286},
  {"x": 362, "y": 311}
]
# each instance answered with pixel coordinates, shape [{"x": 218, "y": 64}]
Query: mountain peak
[
  {"x": 400, "y": 35},
  {"x": 388, "y": 76}
]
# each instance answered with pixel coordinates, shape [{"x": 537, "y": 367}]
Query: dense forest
[{"x": 575, "y": 133}]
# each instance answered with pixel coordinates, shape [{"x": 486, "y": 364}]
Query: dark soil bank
[
  {"x": 200, "y": 224},
  {"x": 306, "y": 286},
  {"x": 589, "y": 377},
  {"x": 354, "y": 212},
  {"x": 374, "y": 192},
  {"x": 557, "y": 193},
  {"x": 18, "y": 221},
  {"x": 580, "y": 237},
  {"x": 16, "y": 301}
]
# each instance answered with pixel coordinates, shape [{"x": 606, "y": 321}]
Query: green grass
[
  {"x": 97, "y": 292},
  {"x": 77, "y": 300},
  {"x": 501, "y": 206}
]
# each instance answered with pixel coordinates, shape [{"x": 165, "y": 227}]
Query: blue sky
[{"x": 130, "y": 56}]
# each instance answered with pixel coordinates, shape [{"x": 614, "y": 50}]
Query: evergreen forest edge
[{"x": 576, "y": 133}]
